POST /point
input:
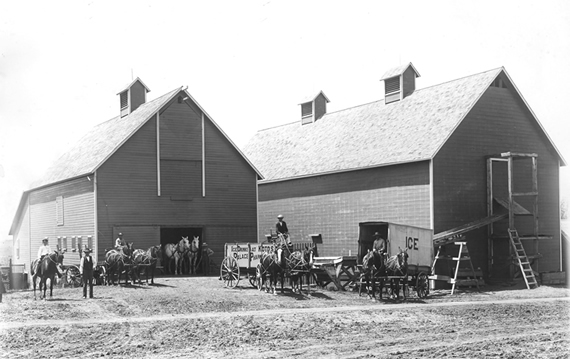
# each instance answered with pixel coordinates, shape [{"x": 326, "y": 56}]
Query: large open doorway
[{"x": 174, "y": 235}]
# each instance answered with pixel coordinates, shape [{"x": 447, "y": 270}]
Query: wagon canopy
[{"x": 417, "y": 240}]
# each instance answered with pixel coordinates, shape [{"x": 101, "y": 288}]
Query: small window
[
  {"x": 499, "y": 83},
  {"x": 79, "y": 242},
  {"x": 64, "y": 243},
  {"x": 124, "y": 99},
  {"x": 59, "y": 210},
  {"x": 59, "y": 243},
  {"x": 306, "y": 109},
  {"x": 73, "y": 243},
  {"x": 90, "y": 242}
]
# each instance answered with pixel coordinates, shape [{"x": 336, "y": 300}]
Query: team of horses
[
  {"x": 283, "y": 262},
  {"x": 377, "y": 268}
]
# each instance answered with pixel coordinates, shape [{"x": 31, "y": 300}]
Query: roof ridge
[{"x": 460, "y": 78}]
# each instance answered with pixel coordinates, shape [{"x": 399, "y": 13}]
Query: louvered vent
[
  {"x": 307, "y": 109},
  {"x": 392, "y": 87},
  {"x": 124, "y": 100}
]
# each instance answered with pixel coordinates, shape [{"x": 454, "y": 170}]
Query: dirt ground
[{"x": 198, "y": 317}]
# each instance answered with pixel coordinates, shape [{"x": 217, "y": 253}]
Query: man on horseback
[{"x": 43, "y": 251}]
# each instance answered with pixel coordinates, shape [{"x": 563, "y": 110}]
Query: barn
[
  {"x": 160, "y": 170},
  {"x": 465, "y": 157}
]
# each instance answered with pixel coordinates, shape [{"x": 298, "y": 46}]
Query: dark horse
[
  {"x": 373, "y": 270},
  {"x": 268, "y": 267},
  {"x": 117, "y": 262},
  {"x": 397, "y": 266},
  {"x": 50, "y": 265},
  {"x": 147, "y": 260},
  {"x": 283, "y": 248},
  {"x": 300, "y": 264}
]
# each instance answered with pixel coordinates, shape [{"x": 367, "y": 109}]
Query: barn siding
[
  {"x": 21, "y": 239},
  {"x": 78, "y": 218},
  {"x": 334, "y": 205},
  {"x": 127, "y": 183},
  {"x": 499, "y": 122}
]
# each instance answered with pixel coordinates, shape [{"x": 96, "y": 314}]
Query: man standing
[
  {"x": 281, "y": 226},
  {"x": 43, "y": 251},
  {"x": 86, "y": 269}
]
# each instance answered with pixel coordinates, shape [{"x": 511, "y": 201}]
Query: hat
[
  {"x": 120, "y": 234},
  {"x": 376, "y": 234},
  {"x": 204, "y": 244},
  {"x": 280, "y": 216},
  {"x": 87, "y": 250},
  {"x": 45, "y": 239}
]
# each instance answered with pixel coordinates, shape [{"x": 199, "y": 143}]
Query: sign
[{"x": 247, "y": 255}]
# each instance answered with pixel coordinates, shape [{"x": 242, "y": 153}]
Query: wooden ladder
[
  {"x": 524, "y": 263},
  {"x": 463, "y": 256}
]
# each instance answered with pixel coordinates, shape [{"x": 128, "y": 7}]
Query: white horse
[
  {"x": 176, "y": 252},
  {"x": 193, "y": 254}
]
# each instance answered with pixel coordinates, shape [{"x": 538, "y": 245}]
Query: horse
[
  {"x": 118, "y": 261},
  {"x": 192, "y": 254},
  {"x": 50, "y": 265},
  {"x": 176, "y": 253},
  {"x": 301, "y": 262},
  {"x": 372, "y": 269},
  {"x": 283, "y": 247},
  {"x": 268, "y": 265},
  {"x": 397, "y": 265},
  {"x": 148, "y": 260}
]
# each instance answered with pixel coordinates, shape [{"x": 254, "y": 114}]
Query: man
[
  {"x": 281, "y": 226},
  {"x": 379, "y": 244},
  {"x": 86, "y": 266},
  {"x": 43, "y": 251},
  {"x": 119, "y": 242}
]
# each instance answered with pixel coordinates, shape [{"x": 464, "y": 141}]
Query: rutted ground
[{"x": 198, "y": 317}]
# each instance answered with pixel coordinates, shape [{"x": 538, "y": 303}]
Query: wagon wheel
[
  {"x": 229, "y": 272},
  {"x": 72, "y": 276},
  {"x": 422, "y": 285},
  {"x": 258, "y": 277},
  {"x": 253, "y": 278}
]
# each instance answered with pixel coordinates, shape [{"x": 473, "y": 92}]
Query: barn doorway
[{"x": 174, "y": 235}]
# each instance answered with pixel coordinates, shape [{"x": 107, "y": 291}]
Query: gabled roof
[
  {"x": 100, "y": 143},
  {"x": 313, "y": 98},
  {"x": 370, "y": 135},
  {"x": 125, "y": 88},
  {"x": 397, "y": 71}
]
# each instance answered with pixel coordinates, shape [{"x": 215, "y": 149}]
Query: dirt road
[{"x": 197, "y": 317}]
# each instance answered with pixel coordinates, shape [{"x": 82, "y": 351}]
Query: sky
[{"x": 250, "y": 63}]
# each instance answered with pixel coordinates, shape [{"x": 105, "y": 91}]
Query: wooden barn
[
  {"x": 466, "y": 157},
  {"x": 160, "y": 170}
]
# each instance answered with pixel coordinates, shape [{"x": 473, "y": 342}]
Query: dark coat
[{"x": 281, "y": 227}]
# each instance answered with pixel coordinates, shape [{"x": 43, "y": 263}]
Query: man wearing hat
[
  {"x": 207, "y": 252},
  {"x": 380, "y": 244},
  {"x": 86, "y": 266},
  {"x": 119, "y": 242},
  {"x": 43, "y": 251},
  {"x": 281, "y": 226}
]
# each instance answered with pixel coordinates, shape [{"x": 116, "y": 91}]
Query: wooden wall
[
  {"x": 334, "y": 205},
  {"x": 128, "y": 185},
  {"x": 498, "y": 123}
]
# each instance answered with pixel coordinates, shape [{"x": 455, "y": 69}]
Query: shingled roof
[
  {"x": 370, "y": 135},
  {"x": 100, "y": 143}
]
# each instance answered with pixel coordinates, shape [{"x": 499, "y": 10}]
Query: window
[
  {"x": 306, "y": 109},
  {"x": 499, "y": 83},
  {"x": 73, "y": 242},
  {"x": 90, "y": 242},
  {"x": 124, "y": 100},
  {"x": 59, "y": 243},
  {"x": 64, "y": 243},
  {"x": 59, "y": 210}
]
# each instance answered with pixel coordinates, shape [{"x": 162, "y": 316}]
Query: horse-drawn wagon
[
  {"x": 242, "y": 259},
  {"x": 409, "y": 259}
]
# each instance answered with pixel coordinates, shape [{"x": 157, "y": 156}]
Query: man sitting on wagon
[
  {"x": 380, "y": 244},
  {"x": 120, "y": 242}
]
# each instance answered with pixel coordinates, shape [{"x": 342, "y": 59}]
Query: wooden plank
[{"x": 449, "y": 236}]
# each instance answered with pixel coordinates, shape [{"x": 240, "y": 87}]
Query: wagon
[
  {"x": 72, "y": 275},
  {"x": 242, "y": 260},
  {"x": 417, "y": 241}
]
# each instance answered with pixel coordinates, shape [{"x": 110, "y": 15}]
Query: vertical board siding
[
  {"x": 22, "y": 241},
  {"x": 334, "y": 205},
  {"x": 142, "y": 237},
  {"x": 497, "y": 123},
  {"x": 127, "y": 181}
]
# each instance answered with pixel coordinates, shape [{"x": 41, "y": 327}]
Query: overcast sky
[{"x": 250, "y": 63}]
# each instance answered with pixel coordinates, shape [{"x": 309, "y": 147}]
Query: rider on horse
[{"x": 43, "y": 251}]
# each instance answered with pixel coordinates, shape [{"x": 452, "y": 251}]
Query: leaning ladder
[{"x": 524, "y": 263}]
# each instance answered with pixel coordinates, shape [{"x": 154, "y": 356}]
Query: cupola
[
  {"x": 132, "y": 96},
  {"x": 313, "y": 108},
  {"x": 399, "y": 82}
]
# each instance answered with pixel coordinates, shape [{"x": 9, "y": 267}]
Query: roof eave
[{"x": 344, "y": 170}]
